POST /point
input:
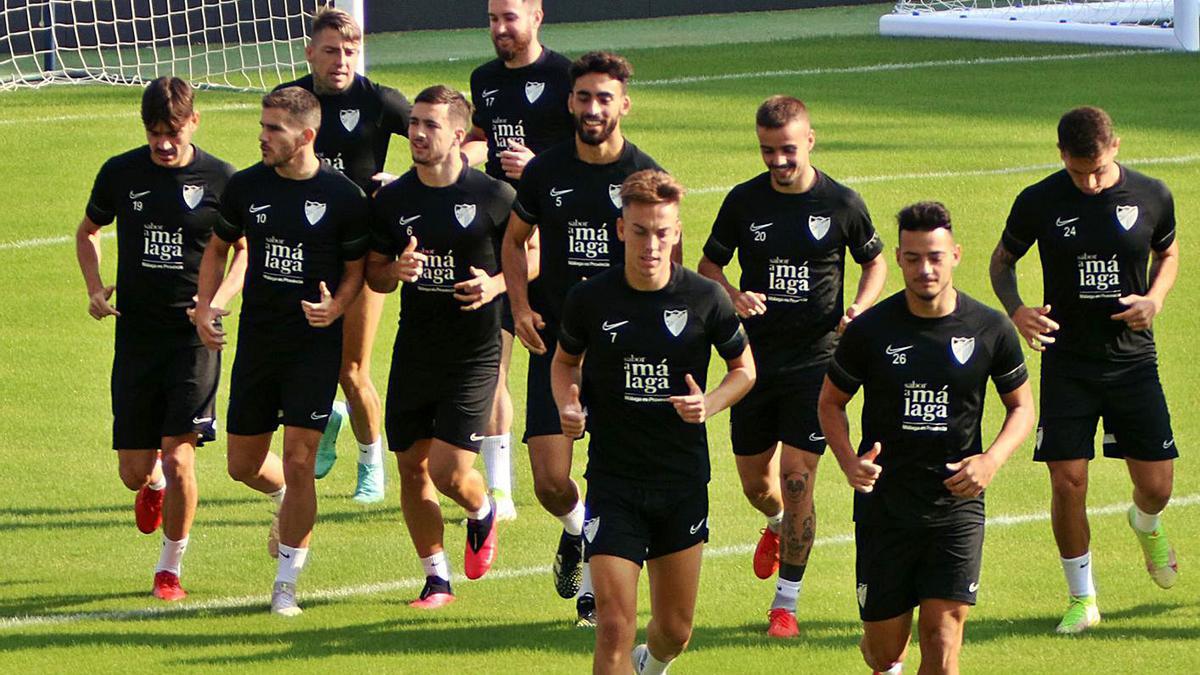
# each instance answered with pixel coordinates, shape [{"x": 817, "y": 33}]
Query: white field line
[
  {"x": 414, "y": 583},
  {"x": 690, "y": 79},
  {"x": 902, "y": 65},
  {"x": 855, "y": 180}
]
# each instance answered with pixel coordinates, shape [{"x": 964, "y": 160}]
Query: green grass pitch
[{"x": 968, "y": 123}]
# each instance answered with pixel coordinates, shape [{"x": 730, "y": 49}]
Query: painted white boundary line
[{"x": 414, "y": 583}]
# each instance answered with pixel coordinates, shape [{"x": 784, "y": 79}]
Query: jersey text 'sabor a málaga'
[
  {"x": 457, "y": 227},
  {"x": 639, "y": 346},
  {"x": 299, "y": 233},
  {"x": 575, "y": 206},
  {"x": 164, "y": 219},
  {"x": 924, "y": 382},
  {"x": 792, "y": 249}
]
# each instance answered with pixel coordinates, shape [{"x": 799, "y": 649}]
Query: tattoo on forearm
[{"x": 1003, "y": 270}]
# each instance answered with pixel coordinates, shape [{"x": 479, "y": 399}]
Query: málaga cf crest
[
  {"x": 1127, "y": 216},
  {"x": 962, "y": 348},
  {"x": 675, "y": 319},
  {"x": 533, "y": 90},
  {"x": 192, "y": 194},
  {"x": 464, "y": 213},
  {"x": 614, "y": 193},
  {"x": 349, "y": 119},
  {"x": 314, "y": 211},
  {"x": 819, "y": 226}
]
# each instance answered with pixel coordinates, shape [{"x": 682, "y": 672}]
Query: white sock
[
  {"x": 483, "y": 512},
  {"x": 651, "y": 665},
  {"x": 786, "y": 593},
  {"x": 277, "y": 496},
  {"x": 162, "y": 480},
  {"x": 497, "y": 462},
  {"x": 775, "y": 521},
  {"x": 371, "y": 454},
  {"x": 291, "y": 561},
  {"x": 1144, "y": 522},
  {"x": 585, "y": 586},
  {"x": 436, "y": 565},
  {"x": 1079, "y": 575},
  {"x": 896, "y": 669},
  {"x": 171, "y": 557},
  {"x": 572, "y": 522}
]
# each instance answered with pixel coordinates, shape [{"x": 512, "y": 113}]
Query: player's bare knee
[
  {"x": 614, "y": 630},
  {"x": 133, "y": 477},
  {"x": 354, "y": 377},
  {"x": 178, "y": 465},
  {"x": 880, "y": 654},
  {"x": 1069, "y": 483},
  {"x": 299, "y": 464},
  {"x": 677, "y": 633},
  {"x": 241, "y": 469}
]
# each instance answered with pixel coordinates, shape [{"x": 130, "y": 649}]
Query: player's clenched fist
[
  {"x": 862, "y": 472},
  {"x": 691, "y": 407},
  {"x": 412, "y": 262},
  {"x": 572, "y": 416},
  {"x": 749, "y": 304}
]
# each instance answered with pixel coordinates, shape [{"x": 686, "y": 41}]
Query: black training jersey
[
  {"x": 924, "y": 383},
  {"x": 575, "y": 206},
  {"x": 299, "y": 233},
  {"x": 357, "y": 126},
  {"x": 527, "y": 105},
  {"x": 457, "y": 227},
  {"x": 1094, "y": 250},
  {"x": 639, "y": 346},
  {"x": 164, "y": 219},
  {"x": 792, "y": 248}
]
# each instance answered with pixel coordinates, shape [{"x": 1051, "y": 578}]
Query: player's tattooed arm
[
  {"x": 745, "y": 304},
  {"x": 87, "y": 251},
  {"x": 475, "y": 147},
  {"x": 1033, "y": 323},
  {"x": 973, "y": 474},
  {"x": 870, "y": 285}
]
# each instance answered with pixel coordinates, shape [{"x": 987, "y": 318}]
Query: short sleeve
[
  {"x": 229, "y": 226},
  {"x": 396, "y": 111},
  {"x": 100, "y": 207},
  {"x": 723, "y": 328},
  {"x": 1020, "y": 232},
  {"x": 1164, "y": 229},
  {"x": 723, "y": 240},
  {"x": 572, "y": 330},
  {"x": 848, "y": 368},
  {"x": 502, "y": 204},
  {"x": 861, "y": 238},
  {"x": 1008, "y": 361},
  {"x": 353, "y": 234},
  {"x": 478, "y": 119},
  {"x": 526, "y": 205}
]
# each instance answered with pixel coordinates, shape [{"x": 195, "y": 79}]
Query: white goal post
[
  {"x": 237, "y": 44},
  {"x": 1154, "y": 24}
]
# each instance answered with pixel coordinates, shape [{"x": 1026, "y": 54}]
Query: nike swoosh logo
[
  {"x": 815, "y": 438},
  {"x": 315, "y": 416},
  {"x": 696, "y": 528},
  {"x": 138, "y": 195},
  {"x": 1167, "y": 444},
  {"x": 1060, "y": 222},
  {"x": 476, "y": 437},
  {"x": 404, "y": 221},
  {"x": 763, "y": 226},
  {"x": 254, "y": 208},
  {"x": 286, "y": 555},
  {"x": 973, "y": 587},
  {"x": 609, "y": 326},
  {"x": 489, "y": 92},
  {"x": 201, "y": 420},
  {"x": 892, "y": 351},
  {"x": 555, "y": 192}
]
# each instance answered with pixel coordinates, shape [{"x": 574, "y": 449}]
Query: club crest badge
[
  {"x": 1041, "y": 434},
  {"x": 819, "y": 226},
  {"x": 192, "y": 194},
  {"x": 1127, "y": 216},
  {"x": 533, "y": 90},
  {"x": 862, "y": 595},
  {"x": 589, "y": 528},
  {"x": 349, "y": 119},
  {"x": 314, "y": 211},
  {"x": 465, "y": 214},
  {"x": 675, "y": 319},
  {"x": 962, "y": 348},
  {"x": 614, "y": 193}
]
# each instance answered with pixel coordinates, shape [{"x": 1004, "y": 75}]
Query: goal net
[
  {"x": 239, "y": 44},
  {"x": 1156, "y": 24}
]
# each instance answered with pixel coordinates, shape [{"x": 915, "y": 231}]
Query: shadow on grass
[{"x": 44, "y": 605}]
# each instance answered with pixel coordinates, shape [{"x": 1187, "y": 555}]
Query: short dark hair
[
  {"x": 605, "y": 63},
  {"x": 651, "y": 186},
  {"x": 779, "y": 111},
  {"x": 924, "y": 217},
  {"x": 1085, "y": 132},
  {"x": 339, "y": 20},
  {"x": 167, "y": 100},
  {"x": 460, "y": 108},
  {"x": 299, "y": 103}
]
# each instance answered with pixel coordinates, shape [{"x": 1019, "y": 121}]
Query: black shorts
[
  {"x": 897, "y": 567},
  {"x": 1137, "y": 424},
  {"x": 639, "y": 524},
  {"x": 453, "y": 406},
  {"x": 541, "y": 413},
  {"x": 506, "y": 317},
  {"x": 782, "y": 409},
  {"x": 161, "y": 389},
  {"x": 280, "y": 380}
]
